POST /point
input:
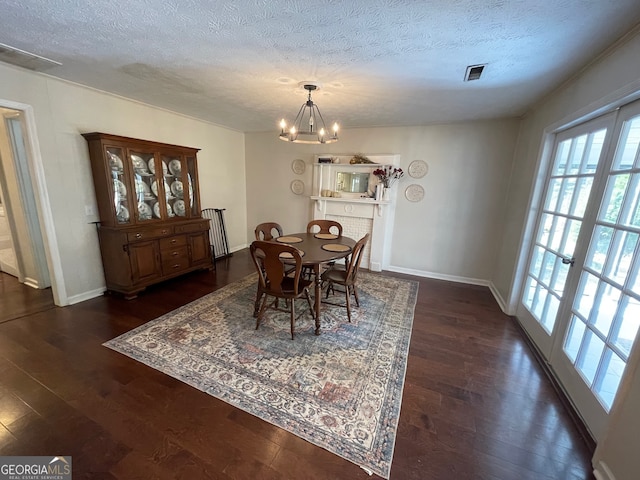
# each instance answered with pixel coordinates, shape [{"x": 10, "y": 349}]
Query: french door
[{"x": 581, "y": 296}]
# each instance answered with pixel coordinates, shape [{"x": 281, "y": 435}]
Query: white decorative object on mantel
[{"x": 359, "y": 213}]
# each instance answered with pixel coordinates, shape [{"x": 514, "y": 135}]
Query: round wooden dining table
[{"x": 319, "y": 249}]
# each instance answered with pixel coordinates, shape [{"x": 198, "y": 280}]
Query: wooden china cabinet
[{"x": 151, "y": 228}]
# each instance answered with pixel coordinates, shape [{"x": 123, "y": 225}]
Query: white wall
[
  {"x": 611, "y": 79},
  {"x": 63, "y": 111},
  {"x": 453, "y": 233}
]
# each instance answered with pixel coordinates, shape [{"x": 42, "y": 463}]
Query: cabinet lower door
[
  {"x": 199, "y": 247},
  {"x": 144, "y": 258}
]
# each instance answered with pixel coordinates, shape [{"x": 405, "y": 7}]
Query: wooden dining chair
[
  {"x": 273, "y": 281},
  {"x": 346, "y": 276},
  {"x": 324, "y": 226},
  {"x": 265, "y": 231}
]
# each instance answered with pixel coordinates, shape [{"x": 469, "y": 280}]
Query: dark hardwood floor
[{"x": 476, "y": 404}]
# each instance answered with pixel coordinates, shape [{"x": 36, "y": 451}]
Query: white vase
[
  {"x": 385, "y": 194},
  {"x": 378, "y": 192}
]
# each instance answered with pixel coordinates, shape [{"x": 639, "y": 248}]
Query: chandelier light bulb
[
  {"x": 283, "y": 124},
  {"x": 335, "y": 128}
]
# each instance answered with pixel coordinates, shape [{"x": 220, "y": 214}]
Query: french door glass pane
[
  {"x": 631, "y": 207},
  {"x": 574, "y": 338},
  {"x": 627, "y": 155},
  {"x": 600, "y": 243},
  {"x": 606, "y": 310},
  {"x": 634, "y": 278},
  {"x": 586, "y": 295},
  {"x": 568, "y": 191},
  {"x": 620, "y": 256},
  {"x": 626, "y": 326},
  {"x": 593, "y": 156},
  {"x": 616, "y": 186},
  {"x": 583, "y": 189},
  {"x": 590, "y": 354},
  {"x": 608, "y": 381}
]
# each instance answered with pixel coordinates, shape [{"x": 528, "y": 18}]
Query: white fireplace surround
[{"x": 359, "y": 214}]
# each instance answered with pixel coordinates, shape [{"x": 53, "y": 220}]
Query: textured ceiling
[{"x": 381, "y": 63}]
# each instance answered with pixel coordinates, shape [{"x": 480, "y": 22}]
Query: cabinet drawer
[
  {"x": 172, "y": 242},
  {"x": 192, "y": 227},
  {"x": 148, "y": 234},
  {"x": 174, "y": 253},
  {"x": 175, "y": 260}
]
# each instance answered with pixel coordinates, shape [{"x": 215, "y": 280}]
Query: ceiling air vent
[
  {"x": 23, "y": 59},
  {"x": 473, "y": 72}
]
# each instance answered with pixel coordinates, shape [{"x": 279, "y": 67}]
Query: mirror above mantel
[
  {"x": 352, "y": 182},
  {"x": 340, "y": 180}
]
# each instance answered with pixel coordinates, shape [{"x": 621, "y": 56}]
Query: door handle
[{"x": 568, "y": 261}]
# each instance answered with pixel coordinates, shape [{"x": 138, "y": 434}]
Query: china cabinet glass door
[
  {"x": 147, "y": 186},
  {"x": 192, "y": 180},
  {"x": 121, "y": 197},
  {"x": 174, "y": 186}
]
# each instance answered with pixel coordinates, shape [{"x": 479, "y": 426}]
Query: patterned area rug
[{"x": 341, "y": 390}]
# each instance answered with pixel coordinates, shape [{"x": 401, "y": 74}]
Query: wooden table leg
[{"x": 316, "y": 272}]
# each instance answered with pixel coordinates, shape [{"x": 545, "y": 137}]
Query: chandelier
[{"x": 308, "y": 127}]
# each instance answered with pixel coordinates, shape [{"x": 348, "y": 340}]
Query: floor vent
[{"x": 20, "y": 58}]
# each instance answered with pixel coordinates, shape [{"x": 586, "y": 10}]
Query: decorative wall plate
[
  {"x": 298, "y": 166},
  {"x": 418, "y": 168},
  {"x": 414, "y": 193},
  {"x": 297, "y": 187}
]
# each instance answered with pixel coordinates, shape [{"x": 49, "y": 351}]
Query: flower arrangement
[{"x": 388, "y": 175}]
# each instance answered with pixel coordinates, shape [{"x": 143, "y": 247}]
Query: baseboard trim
[
  {"x": 602, "y": 472},
  {"x": 454, "y": 278},
  {"x": 81, "y": 297},
  {"x": 577, "y": 420},
  {"x": 501, "y": 303},
  {"x": 438, "y": 276},
  {"x": 32, "y": 282}
]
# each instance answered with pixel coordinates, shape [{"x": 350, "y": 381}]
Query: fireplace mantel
[{"x": 358, "y": 214}]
